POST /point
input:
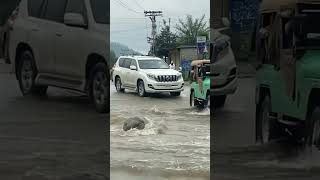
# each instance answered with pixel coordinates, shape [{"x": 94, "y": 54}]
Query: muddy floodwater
[
  {"x": 237, "y": 156},
  {"x": 175, "y": 143}
]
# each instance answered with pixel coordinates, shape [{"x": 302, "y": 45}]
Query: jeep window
[
  {"x": 100, "y": 10},
  {"x": 77, "y": 6},
  {"x": 153, "y": 64},
  {"x": 307, "y": 31},
  {"x": 34, "y": 7},
  {"x": 55, "y": 10},
  {"x": 266, "y": 26},
  {"x": 121, "y": 62},
  {"x": 287, "y": 33},
  {"x": 127, "y": 63},
  {"x": 134, "y": 63}
]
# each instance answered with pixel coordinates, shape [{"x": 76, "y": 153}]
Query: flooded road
[
  {"x": 236, "y": 156},
  {"x": 55, "y": 137},
  {"x": 175, "y": 143}
]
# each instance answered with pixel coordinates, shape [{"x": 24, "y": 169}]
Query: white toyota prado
[
  {"x": 62, "y": 43},
  {"x": 145, "y": 75}
]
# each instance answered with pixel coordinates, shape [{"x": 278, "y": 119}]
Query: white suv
[
  {"x": 65, "y": 44},
  {"x": 145, "y": 75}
]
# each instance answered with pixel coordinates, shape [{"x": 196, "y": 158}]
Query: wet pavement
[
  {"x": 58, "y": 137},
  {"x": 175, "y": 143},
  {"x": 236, "y": 156}
]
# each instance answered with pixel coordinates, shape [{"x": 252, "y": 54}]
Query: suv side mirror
[
  {"x": 225, "y": 22},
  {"x": 263, "y": 33},
  {"x": 133, "y": 68},
  {"x": 75, "y": 19}
]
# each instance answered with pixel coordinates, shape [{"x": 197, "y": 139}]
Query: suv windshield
[
  {"x": 100, "y": 11},
  {"x": 308, "y": 28},
  {"x": 153, "y": 64}
]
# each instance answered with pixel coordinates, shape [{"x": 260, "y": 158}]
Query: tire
[
  {"x": 313, "y": 136},
  {"x": 193, "y": 101},
  {"x": 267, "y": 128},
  {"x": 99, "y": 89},
  {"x": 141, "y": 89},
  {"x": 208, "y": 102},
  {"x": 175, "y": 94},
  {"x": 26, "y": 73},
  {"x": 118, "y": 85},
  {"x": 219, "y": 101}
]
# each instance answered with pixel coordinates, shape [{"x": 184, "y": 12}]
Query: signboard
[
  {"x": 186, "y": 65},
  {"x": 201, "y": 44},
  {"x": 243, "y": 15}
]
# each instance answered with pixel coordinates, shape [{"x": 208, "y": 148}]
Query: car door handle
[
  {"x": 35, "y": 30},
  {"x": 58, "y": 34}
]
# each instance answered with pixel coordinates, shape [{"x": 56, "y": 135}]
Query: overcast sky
[{"x": 129, "y": 26}]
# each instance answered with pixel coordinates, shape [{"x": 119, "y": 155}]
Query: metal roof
[
  {"x": 198, "y": 62},
  {"x": 275, "y": 5}
]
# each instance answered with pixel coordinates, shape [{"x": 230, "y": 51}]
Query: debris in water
[{"x": 134, "y": 123}]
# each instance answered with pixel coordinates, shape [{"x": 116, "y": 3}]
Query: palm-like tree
[{"x": 190, "y": 28}]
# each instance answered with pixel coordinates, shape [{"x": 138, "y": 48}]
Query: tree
[
  {"x": 113, "y": 58},
  {"x": 190, "y": 28},
  {"x": 165, "y": 41}
]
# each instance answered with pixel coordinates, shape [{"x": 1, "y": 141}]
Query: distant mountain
[{"x": 121, "y": 49}]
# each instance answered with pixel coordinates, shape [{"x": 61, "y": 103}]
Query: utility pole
[{"x": 152, "y": 15}]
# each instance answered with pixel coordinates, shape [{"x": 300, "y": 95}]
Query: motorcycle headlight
[
  {"x": 221, "y": 50},
  {"x": 151, "y": 76}
]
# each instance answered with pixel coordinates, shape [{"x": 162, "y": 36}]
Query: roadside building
[
  {"x": 242, "y": 15},
  {"x": 182, "y": 56}
]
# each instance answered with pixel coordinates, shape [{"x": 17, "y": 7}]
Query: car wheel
[
  {"x": 141, "y": 89},
  {"x": 26, "y": 73},
  {"x": 219, "y": 101},
  {"x": 118, "y": 84},
  {"x": 175, "y": 93},
  {"x": 208, "y": 100},
  {"x": 193, "y": 101},
  {"x": 268, "y": 128},
  {"x": 100, "y": 88},
  {"x": 314, "y": 128}
]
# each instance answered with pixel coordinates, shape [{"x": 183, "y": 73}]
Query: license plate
[{"x": 168, "y": 85}]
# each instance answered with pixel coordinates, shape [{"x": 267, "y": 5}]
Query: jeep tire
[
  {"x": 26, "y": 74},
  {"x": 219, "y": 101},
  {"x": 267, "y": 128},
  {"x": 313, "y": 128},
  {"x": 99, "y": 88}
]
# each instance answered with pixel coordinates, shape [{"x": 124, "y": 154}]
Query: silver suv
[{"x": 64, "y": 44}]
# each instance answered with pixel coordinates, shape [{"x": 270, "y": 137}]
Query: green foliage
[
  {"x": 113, "y": 58},
  {"x": 165, "y": 41},
  {"x": 190, "y": 28}
]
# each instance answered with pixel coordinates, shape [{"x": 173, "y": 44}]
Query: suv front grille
[{"x": 167, "y": 78}]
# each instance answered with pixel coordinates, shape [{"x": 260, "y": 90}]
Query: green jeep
[
  {"x": 288, "y": 77},
  {"x": 200, "y": 85}
]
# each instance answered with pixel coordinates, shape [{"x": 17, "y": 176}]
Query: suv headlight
[
  {"x": 151, "y": 76},
  {"x": 179, "y": 76}
]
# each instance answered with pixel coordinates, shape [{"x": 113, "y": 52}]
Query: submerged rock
[{"x": 134, "y": 123}]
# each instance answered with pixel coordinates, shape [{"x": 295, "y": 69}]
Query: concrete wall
[{"x": 178, "y": 55}]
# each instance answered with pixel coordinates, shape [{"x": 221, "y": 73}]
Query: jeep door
[
  {"x": 72, "y": 43},
  {"x": 283, "y": 92},
  {"x": 125, "y": 72},
  {"x": 41, "y": 36},
  {"x": 132, "y": 75},
  {"x": 53, "y": 13}
]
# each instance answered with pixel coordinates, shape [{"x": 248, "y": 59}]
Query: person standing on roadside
[
  {"x": 6, "y": 35},
  {"x": 172, "y": 65}
]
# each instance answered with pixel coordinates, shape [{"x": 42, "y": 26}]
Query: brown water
[{"x": 175, "y": 143}]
